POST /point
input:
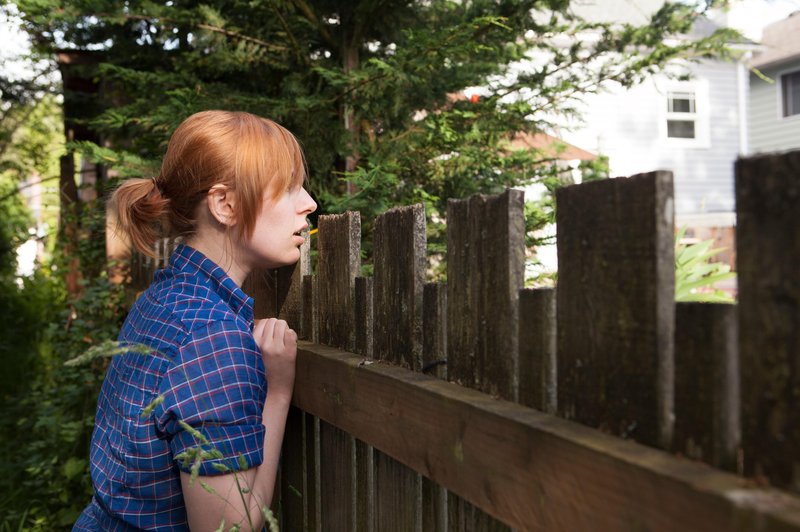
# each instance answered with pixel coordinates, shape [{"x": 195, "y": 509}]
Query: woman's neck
[{"x": 220, "y": 248}]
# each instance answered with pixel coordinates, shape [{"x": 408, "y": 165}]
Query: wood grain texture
[
  {"x": 615, "y": 305},
  {"x": 434, "y": 507},
  {"x": 463, "y": 516},
  {"x": 364, "y": 316},
  {"x": 399, "y": 266},
  {"x": 309, "y": 325},
  {"x": 485, "y": 256},
  {"x": 707, "y": 383},
  {"x": 434, "y": 329},
  {"x": 338, "y": 264},
  {"x": 365, "y": 466},
  {"x": 293, "y": 505},
  {"x": 311, "y": 471},
  {"x": 398, "y": 496},
  {"x": 337, "y": 479},
  {"x": 365, "y": 488},
  {"x": 537, "y": 349},
  {"x": 768, "y": 263},
  {"x": 528, "y": 469}
]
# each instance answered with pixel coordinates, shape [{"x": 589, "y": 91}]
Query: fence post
[
  {"x": 485, "y": 260},
  {"x": 707, "y": 383},
  {"x": 768, "y": 255},
  {"x": 615, "y": 305},
  {"x": 338, "y": 264},
  {"x": 485, "y": 270},
  {"x": 399, "y": 258}
]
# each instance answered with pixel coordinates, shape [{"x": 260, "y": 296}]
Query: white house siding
[
  {"x": 629, "y": 126},
  {"x": 769, "y": 131}
]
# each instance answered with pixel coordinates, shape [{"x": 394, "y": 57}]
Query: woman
[{"x": 231, "y": 185}]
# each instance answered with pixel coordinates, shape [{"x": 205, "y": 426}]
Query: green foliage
[
  {"x": 46, "y": 427},
  {"x": 695, "y": 274},
  {"x": 374, "y": 90}
]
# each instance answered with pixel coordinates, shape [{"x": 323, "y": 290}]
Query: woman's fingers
[
  {"x": 272, "y": 333},
  {"x": 279, "y": 331}
]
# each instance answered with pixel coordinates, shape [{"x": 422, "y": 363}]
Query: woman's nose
[{"x": 308, "y": 204}]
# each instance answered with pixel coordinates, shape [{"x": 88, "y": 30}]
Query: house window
[
  {"x": 790, "y": 93},
  {"x": 681, "y": 115}
]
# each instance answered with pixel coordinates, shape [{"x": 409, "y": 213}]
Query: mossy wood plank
[
  {"x": 531, "y": 470},
  {"x": 768, "y": 264},
  {"x": 615, "y": 305},
  {"x": 485, "y": 259},
  {"x": 399, "y": 258},
  {"x": 338, "y": 264},
  {"x": 399, "y": 266},
  {"x": 707, "y": 383}
]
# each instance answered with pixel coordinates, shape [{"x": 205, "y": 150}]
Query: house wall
[
  {"x": 769, "y": 131},
  {"x": 629, "y": 126}
]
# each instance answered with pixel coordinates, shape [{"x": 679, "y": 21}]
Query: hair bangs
[{"x": 268, "y": 162}]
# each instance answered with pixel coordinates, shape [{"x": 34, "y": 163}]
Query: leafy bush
[
  {"x": 696, "y": 275},
  {"x": 47, "y": 430}
]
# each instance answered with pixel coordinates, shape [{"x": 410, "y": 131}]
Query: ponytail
[{"x": 140, "y": 210}]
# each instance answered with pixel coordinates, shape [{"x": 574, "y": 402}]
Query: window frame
[
  {"x": 779, "y": 89},
  {"x": 700, "y": 116}
]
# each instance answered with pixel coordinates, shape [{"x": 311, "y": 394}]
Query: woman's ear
[{"x": 221, "y": 203}]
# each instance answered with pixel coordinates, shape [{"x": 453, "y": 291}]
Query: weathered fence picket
[
  {"x": 707, "y": 383},
  {"x": 616, "y": 305},
  {"x": 338, "y": 264},
  {"x": 485, "y": 256},
  {"x": 399, "y": 277},
  {"x": 537, "y": 349},
  {"x": 378, "y": 440},
  {"x": 768, "y": 262},
  {"x": 485, "y": 259}
]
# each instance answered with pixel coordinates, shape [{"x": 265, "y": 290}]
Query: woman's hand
[{"x": 278, "y": 345}]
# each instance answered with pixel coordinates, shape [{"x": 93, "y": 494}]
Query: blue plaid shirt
[{"x": 206, "y": 371}]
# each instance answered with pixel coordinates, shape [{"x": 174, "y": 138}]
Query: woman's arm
[{"x": 206, "y": 510}]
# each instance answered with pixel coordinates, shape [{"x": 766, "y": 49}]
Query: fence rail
[{"x": 597, "y": 405}]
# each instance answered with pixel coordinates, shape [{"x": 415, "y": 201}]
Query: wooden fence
[{"x": 599, "y": 405}]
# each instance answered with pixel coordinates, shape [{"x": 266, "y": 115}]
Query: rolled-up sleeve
[{"x": 216, "y": 387}]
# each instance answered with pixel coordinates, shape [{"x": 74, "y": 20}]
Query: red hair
[{"x": 248, "y": 154}]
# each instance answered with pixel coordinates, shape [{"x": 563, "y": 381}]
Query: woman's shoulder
[{"x": 185, "y": 302}]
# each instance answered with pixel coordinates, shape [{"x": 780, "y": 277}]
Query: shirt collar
[{"x": 188, "y": 260}]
